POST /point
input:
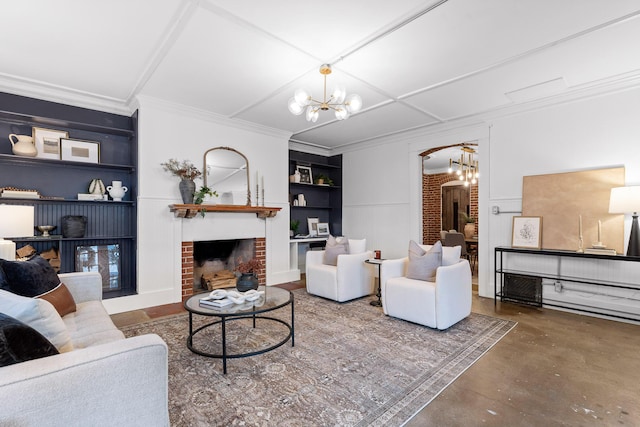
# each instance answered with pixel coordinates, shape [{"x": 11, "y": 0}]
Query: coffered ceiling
[{"x": 414, "y": 63}]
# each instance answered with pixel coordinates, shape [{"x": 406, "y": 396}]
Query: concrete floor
[{"x": 553, "y": 369}]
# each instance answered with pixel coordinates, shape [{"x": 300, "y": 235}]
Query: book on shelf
[
  {"x": 20, "y": 194},
  {"x": 215, "y": 303},
  {"x": 600, "y": 251}
]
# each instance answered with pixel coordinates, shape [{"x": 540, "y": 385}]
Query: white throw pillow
[
  {"x": 40, "y": 314},
  {"x": 357, "y": 246},
  {"x": 450, "y": 254}
]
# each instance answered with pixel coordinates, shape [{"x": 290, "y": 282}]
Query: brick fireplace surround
[{"x": 187, "y": 265}]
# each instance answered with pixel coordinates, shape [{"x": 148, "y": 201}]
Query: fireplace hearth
[{"x": 217, "y": 258}]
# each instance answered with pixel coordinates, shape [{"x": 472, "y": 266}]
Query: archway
[{"x": 433, "y": 179}]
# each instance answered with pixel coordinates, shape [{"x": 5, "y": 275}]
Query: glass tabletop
[{"x": 272, "y": 299}]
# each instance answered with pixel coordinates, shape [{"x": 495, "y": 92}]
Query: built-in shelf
[
  {"x": 310, "y": 207},
  {"x": 321, "y": 201},
  {"x": 38, "y": 120},
  {"x": 36, "y": 161},
  {"x": 191, "y": 210},
  {"x": 304, "y": 184},
  {"x": 46, "y": 200},
  {"x": 58, "y": 238},
  {"x": 60, "y": 181},
  {"x": 297, "y": 160}
]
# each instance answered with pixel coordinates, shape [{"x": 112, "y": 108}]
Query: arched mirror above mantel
[{"x": 226, "y": 171}]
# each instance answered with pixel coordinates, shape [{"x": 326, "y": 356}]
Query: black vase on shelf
[
  {"x": 246, "y": 282},
  {"x": 187, "y": 190},
  {"x": 74, "y": 226}
]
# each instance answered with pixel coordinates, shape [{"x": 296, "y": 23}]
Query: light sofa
[{"x": 106, "y": 380}]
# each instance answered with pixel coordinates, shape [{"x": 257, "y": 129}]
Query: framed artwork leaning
[
  {"x": 323, "y": 229},
  {"x": 305, "y": 174},
  {"x": 77, "y": 150},
  {"x": 312, "y": 224},
  {"x": 47, "y": 142},
  {"x": 527, "y": 232},
  {"x": 104, "y": 259}
]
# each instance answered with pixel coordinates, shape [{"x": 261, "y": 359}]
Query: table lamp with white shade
[
  {"x": 15, "y": 221},
  {"x": 626, "y": 200}
]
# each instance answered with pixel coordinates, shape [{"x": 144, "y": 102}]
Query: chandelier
[
  {"x": 342, "y": 105},
  {"x": 466, "y": 167}
]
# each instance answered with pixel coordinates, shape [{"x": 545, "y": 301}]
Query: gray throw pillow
[
  {"x": 423, "y": 264},
  {"x": 334, "y": 248}
]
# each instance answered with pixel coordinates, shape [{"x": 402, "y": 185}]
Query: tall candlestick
[
  {"x": 599, "y": 231},
  {"x": 257, "y": 188},
  {"x": 262, "y": 184},
  {"x": 580, "y": 225},
  {"x": 580, "y": 239}
]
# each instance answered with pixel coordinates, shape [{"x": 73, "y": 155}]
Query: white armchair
[
  {"x": 439, "y": 304},
  {"x": 351, "y": 278}
]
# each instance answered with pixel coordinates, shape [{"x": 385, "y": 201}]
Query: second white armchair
[
  {"x": 350, "y": 278},
  {"x": 437, "y": 303}
]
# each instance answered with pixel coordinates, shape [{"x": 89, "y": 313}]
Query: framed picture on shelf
[
  {"x": 527, "y": 232},
  {"x": 47, "y": 142},
  {"x": 323, "y": 229},
  {"x": 312, "y": 224},
  {"x": 77, "y": 150},
  {"x": 104, "y": 259},
  {"x": 305, "y": 174}
]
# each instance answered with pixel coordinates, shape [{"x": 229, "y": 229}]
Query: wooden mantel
[{"x": 189, "y": 211}]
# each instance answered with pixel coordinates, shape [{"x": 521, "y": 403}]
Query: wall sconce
[{"x": 15, "y": 221}]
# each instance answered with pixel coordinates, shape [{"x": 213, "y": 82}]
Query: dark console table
[{"x": 527, "y": 279}]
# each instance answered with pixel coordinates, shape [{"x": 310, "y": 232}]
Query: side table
[{"x": 378, "y": 262}]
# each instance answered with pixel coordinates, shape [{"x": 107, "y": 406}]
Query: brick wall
[
  {"x": 187, "y": 270},
  {"x": 261, "y": 255}
]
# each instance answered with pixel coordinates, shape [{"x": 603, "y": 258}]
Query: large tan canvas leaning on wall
[{"x": 561, "y": 198}]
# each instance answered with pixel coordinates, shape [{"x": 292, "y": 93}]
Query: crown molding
[
  {"x": 63, "y": 95},
  {"x": 208, "y": 116},
  {"x": 306, "y": 147},
  {"x": 608, "y": 86}
]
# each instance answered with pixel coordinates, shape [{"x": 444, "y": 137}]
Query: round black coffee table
[{"x": 274, "y": 298}]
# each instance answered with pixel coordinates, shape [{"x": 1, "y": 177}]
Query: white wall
[
  {"x": 170, "y": 131},
  {"x": 599, "y": 132},
  {"x": 382, "y": 182}
]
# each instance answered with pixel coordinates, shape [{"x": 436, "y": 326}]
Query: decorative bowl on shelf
[{"x": 45, "y": 229}]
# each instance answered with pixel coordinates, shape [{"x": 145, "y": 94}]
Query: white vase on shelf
[{"x": 117, "y": 190}]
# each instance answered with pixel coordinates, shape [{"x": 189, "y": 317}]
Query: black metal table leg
[{"x": 224, "y": 345}]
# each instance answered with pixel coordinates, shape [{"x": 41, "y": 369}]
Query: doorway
[
  {"x": 435, "y": 176},
  {"x": 455, "y": 200}
]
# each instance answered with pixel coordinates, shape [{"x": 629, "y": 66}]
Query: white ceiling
[{"x": 415, "y": 63}]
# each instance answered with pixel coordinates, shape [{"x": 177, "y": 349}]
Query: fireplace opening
[{"x": 214, "y": 262}]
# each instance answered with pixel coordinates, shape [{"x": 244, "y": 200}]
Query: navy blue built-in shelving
[
  {"x": 59, "y": 182},
  {"x": 322, "y": 201}
]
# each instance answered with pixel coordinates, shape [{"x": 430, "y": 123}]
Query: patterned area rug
[{"x": 351, "y": 366}]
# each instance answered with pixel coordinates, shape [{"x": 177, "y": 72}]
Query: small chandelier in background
[
  {"x": 466, "y": 167},
  {"x": 342, "y": 104}
]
